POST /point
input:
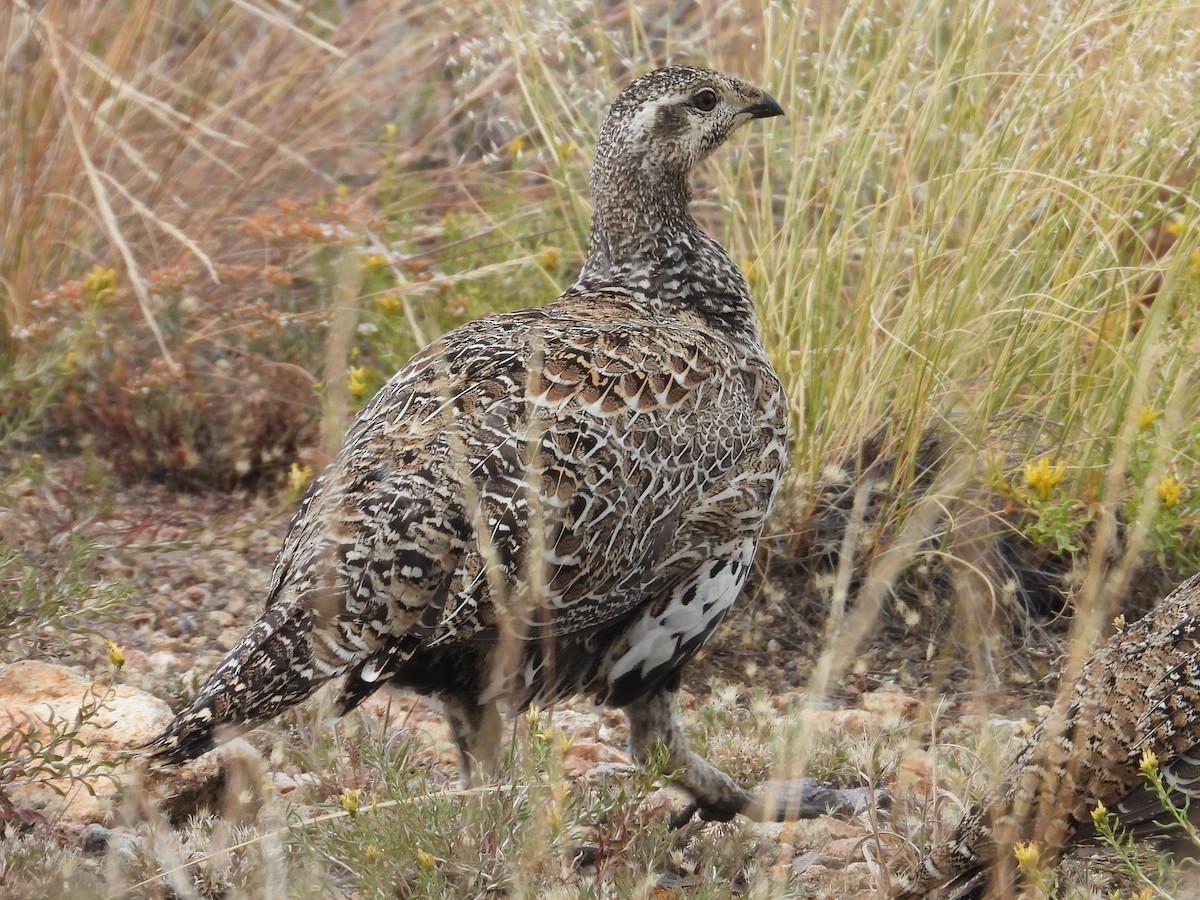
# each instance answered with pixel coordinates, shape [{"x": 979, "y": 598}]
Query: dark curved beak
[{"x": 765, "y": 108}]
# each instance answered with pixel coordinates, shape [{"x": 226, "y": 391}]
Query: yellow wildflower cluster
[
  {"x": 1145, "y": 417},
  {"x": 1042, "y": 477},
  {"x": 1149, "y": 762},
  {"x": 358, "y": 381},
  {"x": 116, "y": 655},
  {"x": 298, "y": 478},
  {"x": 1027, "y": 856},
  {"x": 100, "y": 283},
  {"x": 351, "y": 800},
  {"x": 537, "y": 730},
  {"x": 1169, "y": 490},
  {"x": 1099, "y": 815},
  {"x": 387, "y": 302}
]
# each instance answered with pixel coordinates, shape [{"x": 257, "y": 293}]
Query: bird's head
[{"x": 667, "y": 121}]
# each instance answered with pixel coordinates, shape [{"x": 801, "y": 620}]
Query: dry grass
[{"x": 974, "y": 240}]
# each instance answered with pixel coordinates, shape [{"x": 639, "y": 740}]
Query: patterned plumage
[
  {"x": 562, "y": 500},
  {"x": 1139, "y": 692}
]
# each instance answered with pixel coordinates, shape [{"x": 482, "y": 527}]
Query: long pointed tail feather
[{"x": 270, "y": 669}]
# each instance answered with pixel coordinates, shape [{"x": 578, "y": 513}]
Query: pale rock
[
  {"x": 912, "y": 773},
  {"x": 844, "y": 849},
  {"x": 586, "y": 755},
  {"x": 35, "y": 694},
  {"x": 891, "y": 701},
  {"x": 856, "y": 722},
  {"x": 164, "y": 661}
]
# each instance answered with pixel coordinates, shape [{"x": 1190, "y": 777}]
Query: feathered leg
[{"x": 477, "y": 729}]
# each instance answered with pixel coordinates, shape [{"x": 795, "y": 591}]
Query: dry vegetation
[{"x": 976, "y": 247}]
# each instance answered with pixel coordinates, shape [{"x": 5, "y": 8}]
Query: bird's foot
[
  {"x": 807, "y": 798},
  {"x": 784, "y": 801}
]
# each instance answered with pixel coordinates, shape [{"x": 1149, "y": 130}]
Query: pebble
[
  {"x": 95, "y": 838},
  {"x": 229, "y": 638},
  {"x": 164, "y": 660}
]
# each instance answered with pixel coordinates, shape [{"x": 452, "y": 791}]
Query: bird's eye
[{"x": 705, "y": 100}]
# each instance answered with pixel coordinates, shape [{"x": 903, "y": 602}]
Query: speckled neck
[{"x": 644, "y": 242}]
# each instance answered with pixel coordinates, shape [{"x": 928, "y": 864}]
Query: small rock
[
  {"x": 855, "y": 722},
  {"x": 891, "y": 701},
  {"x": 816, "y": 875},
  {"x": 285, "y": 783},
  {"x": 844, "y": 849},
  {"x": 805, "y": 860},
  {"x": 164, "y": 661},
  {"x": 585, "y": 755},
  {"x": 235, "y": 602},
  {"x": 197, "y": 594},
  {"x": 228, "y": 639},
  {"x": 912, "y": 773},
  {"x": 95, "y": 838}
]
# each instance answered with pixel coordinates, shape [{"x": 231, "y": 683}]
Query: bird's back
[{"x": 1139, "y": 692}]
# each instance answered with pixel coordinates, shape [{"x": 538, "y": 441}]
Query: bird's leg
[
  {"x": 477, "y": 728},
  {"x": 716, "y": 796}
]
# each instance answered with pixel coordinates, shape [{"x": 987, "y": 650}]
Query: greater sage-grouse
[
  {"x": 1139, "y": 693},
  {"x": 561, "y": 500}
]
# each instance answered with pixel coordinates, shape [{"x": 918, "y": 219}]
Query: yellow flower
[
  {"x": 516, "y": 145},
  {"x": 426, "y": 860},
  {"x": 370, "y": 851},
  {"x": 550, "y": 257},
  {"x": 358, "y": 384},
  {"x": 1149, "y": 763},
  {"x": 298, "y": 478},
  {"x": 387, "y": 302},
  {"x": 390, "y": 130},
  {"x": 1119, "y": 623},
  {"x": 69, "y": 361},
  {"x": 374, "y": 261},
  {"x": 1146, "y": 417},
  {"x": 350, "y": 800},
  {"x": 1100, "y": 814},
  {"x": 1027, "y": 856},
  {"x": 1169, "y": 490},
  {"x": 1043, "y": 477},
  {"x": 116, "y": 655},
  {"x": 100, "y": 283},
  {"x": 533, "y": 715},
  {"x": 1173, "y": 226}
]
